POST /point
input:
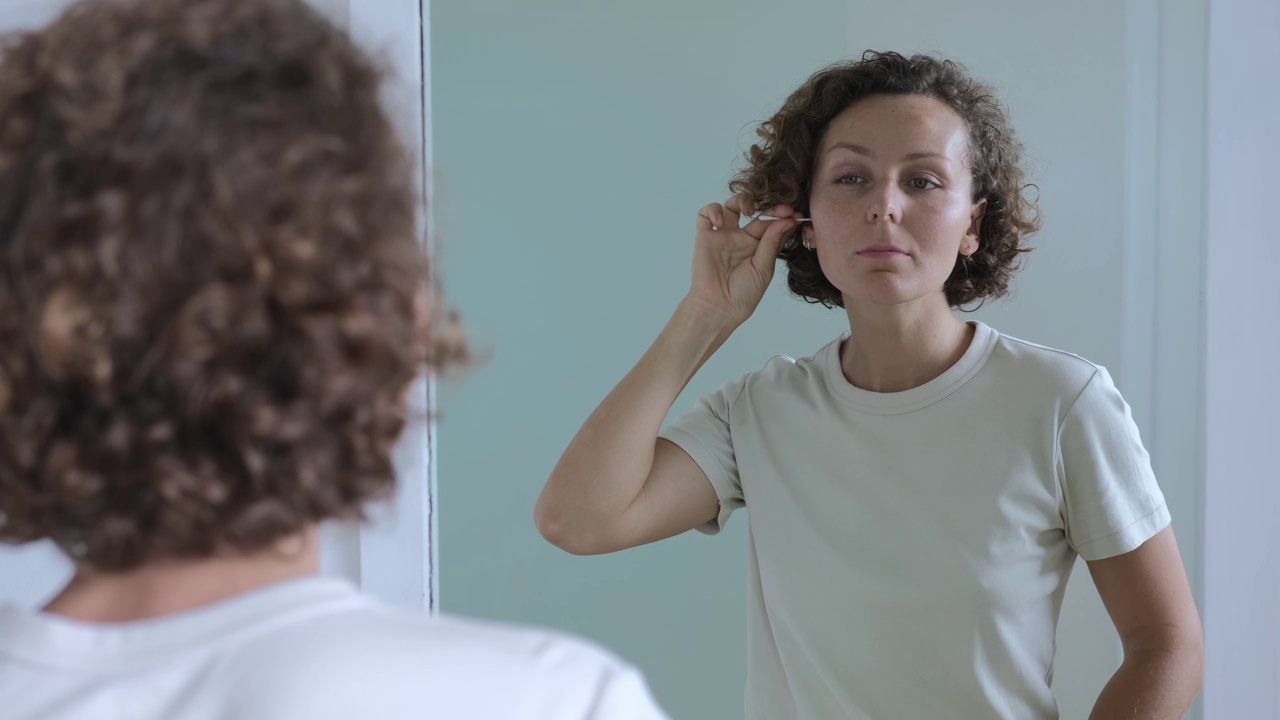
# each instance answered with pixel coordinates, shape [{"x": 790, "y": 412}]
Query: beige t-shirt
[
  {"x": 313, "y": 649},
  {"x": 910, "y": 550}
]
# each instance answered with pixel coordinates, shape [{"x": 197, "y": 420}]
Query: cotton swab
[{"x": 769, "y": 217}]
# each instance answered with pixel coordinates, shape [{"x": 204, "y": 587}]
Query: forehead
[{"x": 896, "y": 125}]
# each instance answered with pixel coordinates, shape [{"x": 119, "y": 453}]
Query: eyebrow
[{"x": 865, "y": 151}]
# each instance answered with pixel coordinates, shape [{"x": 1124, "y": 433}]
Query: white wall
[
  {"x": 397, "y": 553},
  {"x": 1242, "y": 487},
  {"x": 30, "y": 574},
  {"x": 19, "y": 14}
]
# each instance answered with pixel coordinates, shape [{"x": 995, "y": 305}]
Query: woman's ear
[{"x": 974, "y": 233}]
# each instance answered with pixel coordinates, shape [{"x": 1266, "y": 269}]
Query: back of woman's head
[{"x": 212, "y": 296}]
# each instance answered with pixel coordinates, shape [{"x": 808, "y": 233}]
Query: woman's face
[{"x": 892, "y": 199}]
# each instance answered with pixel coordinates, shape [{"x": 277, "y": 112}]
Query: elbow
[
  {"x": 1196, "y": 659},
  {"x": 1193, "y": 673},
  {"x": 1176, "y": 653},
  {"x": 555, "y": 529}
]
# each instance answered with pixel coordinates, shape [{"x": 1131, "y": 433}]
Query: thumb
[{"x": 771, "y": 243}]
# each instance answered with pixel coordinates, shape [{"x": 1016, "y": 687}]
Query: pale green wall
[{"x": 574, "y": 143}]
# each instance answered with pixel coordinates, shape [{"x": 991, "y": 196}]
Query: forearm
[
  {"x": 608, "y": 461},
  {"x": 1152, "y": 684}
]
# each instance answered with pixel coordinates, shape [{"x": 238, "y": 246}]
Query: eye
[
  {"x": 849, "y": 179},
  {"x": 922, "y": 183}
]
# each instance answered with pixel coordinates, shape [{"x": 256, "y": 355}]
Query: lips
[{"x": 882, "y": 252}]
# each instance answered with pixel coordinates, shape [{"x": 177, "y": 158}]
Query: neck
[
  {"x": 896, "y": 348},
  {"x": 167, "y": 587}
]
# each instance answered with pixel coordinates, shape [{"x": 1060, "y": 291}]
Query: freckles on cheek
[
  {"x": 832, "y": 210},
  {"x": 834, "y": 222}
]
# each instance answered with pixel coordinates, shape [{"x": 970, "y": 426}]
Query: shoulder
[
  {"x": 784, "y": 371},
  {"x": 403, "y": 661},
  {"x": 387, "y": 637},
  {"x": 1027, "y": 366},
  {"x": 780, "y": 373}
]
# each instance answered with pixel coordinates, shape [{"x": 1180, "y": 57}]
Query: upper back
[{"x": 312, "y": 648}]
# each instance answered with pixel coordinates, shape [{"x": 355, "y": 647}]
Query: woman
[
  {"x": 920, "y": 487},
  {"x": 212, "y": 305}
]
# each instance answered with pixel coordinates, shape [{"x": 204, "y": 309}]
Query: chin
[
  {"x": 884, "y": 292},
  {"x": 886, "y": 289}
]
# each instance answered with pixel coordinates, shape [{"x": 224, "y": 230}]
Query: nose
[{"x": 885, "y": 205}]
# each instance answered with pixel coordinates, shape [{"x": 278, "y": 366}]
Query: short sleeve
[
  {"x": 705, "y": 434},
  {"x": 1111, "y": 503}
]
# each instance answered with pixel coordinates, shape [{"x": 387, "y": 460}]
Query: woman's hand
[{"x": 732, "y": 265}]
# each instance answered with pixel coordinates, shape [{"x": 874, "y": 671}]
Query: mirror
[{"x": 573, "y": 144}]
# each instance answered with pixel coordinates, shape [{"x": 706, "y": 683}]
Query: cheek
[
  {"x": 830, "y": 198},
  {"x": 832, "y": 210},
  {"x": 948, "y": 220}
]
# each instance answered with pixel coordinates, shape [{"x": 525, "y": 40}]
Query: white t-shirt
[
  {"x": 312, "y": 648},
  {"x": 910, "y": 550}
]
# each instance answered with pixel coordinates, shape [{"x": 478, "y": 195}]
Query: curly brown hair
[
  {"x": 780, "y": 169},
  {"x": 213, "y": 298}
]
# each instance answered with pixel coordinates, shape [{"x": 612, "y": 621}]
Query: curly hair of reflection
[
  {"x": 213, "y": 297},
  {"x": 779, "y": 169}
]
